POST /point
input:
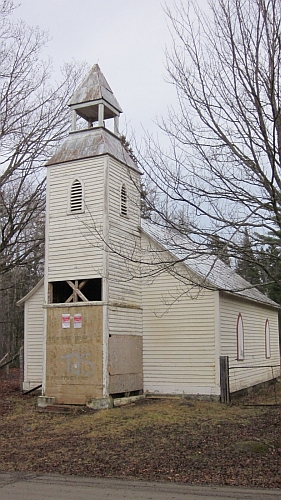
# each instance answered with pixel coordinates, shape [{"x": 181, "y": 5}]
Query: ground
[{"x": 176, "y": 439}]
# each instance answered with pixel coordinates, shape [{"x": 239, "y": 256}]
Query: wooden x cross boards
[{"x": 76, "y": 291}]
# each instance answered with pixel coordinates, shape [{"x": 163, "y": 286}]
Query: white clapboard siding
[
  {"x": 124, "y": 240},
  {"x": 178, "y": 338},
  {"x": 33, "y": 339},
  {"x": 124, "y": 280},
  {"x": 254, "y": 317},
  {"x": 120, "y": 174},
  {"x": 74, "y": 240},
  {"x": 125, "y": 321}
]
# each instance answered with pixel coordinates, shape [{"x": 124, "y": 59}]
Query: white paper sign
[
  {"x": 65, "y": 320},
  {"x": 77, "y": 320}
]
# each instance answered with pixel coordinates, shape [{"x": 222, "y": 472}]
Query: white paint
[
  {"x": 217, "y": 338},
  {"x": 74, "y": 245},
  {"x": 105, "y": 281},
  {"x": 46, "y": 285},
  {"x": 78, "y": 364},
  {"x": 124, "y": 237},
  {"x": 254, "y": 316},
  {"x": 179, "y": 331},
  {"x": 33, "y": 338}
]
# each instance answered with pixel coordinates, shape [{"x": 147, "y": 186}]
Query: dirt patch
[{"x": 198, "y": 443}]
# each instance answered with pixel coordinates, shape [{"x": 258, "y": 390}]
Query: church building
[{"x": 109, "y": 319}]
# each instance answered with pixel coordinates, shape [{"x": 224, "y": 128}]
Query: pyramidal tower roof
[
  {"x": 92, "y": 91},
  {"x": 95, "y": 103}
]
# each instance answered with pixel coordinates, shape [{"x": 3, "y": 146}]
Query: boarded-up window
[
  {"x": 240, "y": 338},
  {"x": 62, "y": 291},
  {"x": 76, "y": 197},
  {"x": 124, "y": 200},
  {"x": 267, "y": 340}
]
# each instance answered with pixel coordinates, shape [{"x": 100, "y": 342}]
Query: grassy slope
[{"x": 173, "y": 440}]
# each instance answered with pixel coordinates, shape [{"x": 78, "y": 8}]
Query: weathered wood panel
[
  {"x": 125, "y": 363},
  {"x": 254, "y": 317},
  {"x": 125, "y": 354},
  {"x": 74, "y": 355},
  {"x": 224, "y": 379},
  {"x": 129, "y": 382}
]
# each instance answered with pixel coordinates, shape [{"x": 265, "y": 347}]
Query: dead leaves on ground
[{"x": 199, "y": 443}]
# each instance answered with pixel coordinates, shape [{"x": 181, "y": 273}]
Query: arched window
[
  {"x": 267, "y": 340},
  {"x": 76, "y": 197},
  {"x": 240, "y": 338},
  {"x": 123, "y": 200}
]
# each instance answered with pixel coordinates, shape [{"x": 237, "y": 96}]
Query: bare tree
[
  {"x": 33, "y": 118},
  {"x": 223, "y": 164}
]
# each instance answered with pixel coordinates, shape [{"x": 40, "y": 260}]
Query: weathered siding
[
  {"x": 74, "y": 245},
  {"x": 33, "y": 343},
  {"x": 124, "y": 284},
  {"x": 178, "y": 337},
  {"x": 125, "y": 321},
  {"x": 124, "y": 237},
  {"x": 254, "y": 317}
]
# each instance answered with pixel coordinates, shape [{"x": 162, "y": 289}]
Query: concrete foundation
[
  {"x": 43, "y": 401},
  {"x": 100, "y": 404}
]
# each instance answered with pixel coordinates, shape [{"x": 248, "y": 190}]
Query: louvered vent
[
  {"x": 76, "y": 197},
  {"x": 124, "y": 208}
]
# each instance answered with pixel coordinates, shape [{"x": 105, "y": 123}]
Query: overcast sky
[{"x": 127, "y": 38}]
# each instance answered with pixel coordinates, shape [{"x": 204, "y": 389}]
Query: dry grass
[{"x": 174, "y": 440}]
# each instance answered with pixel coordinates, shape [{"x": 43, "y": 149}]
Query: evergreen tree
[
  {"x": 219, "y": 247},
  {"x": 247, "y": 262},
  {"x": 269, "y": 259}
]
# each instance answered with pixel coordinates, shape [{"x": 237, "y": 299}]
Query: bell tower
[
  {"x": 95, "y": 102},
  {"x": 93, "y": 316}
]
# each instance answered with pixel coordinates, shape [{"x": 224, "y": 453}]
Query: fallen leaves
[{"x": 202, "y": 443}]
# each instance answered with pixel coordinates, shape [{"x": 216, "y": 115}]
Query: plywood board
[
  {"x": 74, "y": 355},
  {"x": 125, "y": 354},
  {"x": 125, "y": 363},
  {"x": 125, "y": 383}
]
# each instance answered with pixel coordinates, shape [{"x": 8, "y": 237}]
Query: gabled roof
[
  {"x": 95, "y": 87},
  {"x": 89, "y": 143},
  {"x": 211, "y": 271}
]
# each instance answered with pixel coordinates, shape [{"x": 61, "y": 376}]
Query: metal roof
[
  {"x": 87, "y": 143},
  {"x": 212, "y": 273},
  {"x": 94, "y": 88}
]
